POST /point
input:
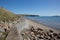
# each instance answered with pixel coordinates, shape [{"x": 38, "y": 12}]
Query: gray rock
[
  {"x": 13, "y": 35},
  {"x": 2, "y": 29}
]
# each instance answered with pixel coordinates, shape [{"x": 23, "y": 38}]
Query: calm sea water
[{"x": 53, "y": 22}]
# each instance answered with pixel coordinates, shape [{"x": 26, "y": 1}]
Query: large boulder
[
  {"x": 2, "y": 29},
  {"x": 13, "y": 34}
]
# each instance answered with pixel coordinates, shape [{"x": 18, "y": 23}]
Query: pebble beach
[
  {"x": 27, "y": 29},
  {"x": 38, "y": 31}
]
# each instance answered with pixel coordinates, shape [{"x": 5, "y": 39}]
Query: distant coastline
[{"x": 56, "y": 16}]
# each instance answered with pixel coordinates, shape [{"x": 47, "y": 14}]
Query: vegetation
[
  {"x": 4, "y": 34},
  {"x": 6, "y": 15}
]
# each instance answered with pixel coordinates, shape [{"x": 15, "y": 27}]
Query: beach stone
[
  {"x": 46, "y": 37},
  {"x": 2, "y": 29},
  {"x": 25, "y": 36},
  {"x": 32, "y": 29},
  {"x": 51, "y": 31},
  {"x": 41, "y": 37},
  {"x": 39, "y": 29},
  {"x": 33, "y": 38},
  {"x": 54, "y": 34},
  {"x": 50, "y": 35},
  {"x": 58, "y": 36},
  {"x": 32, "y": 34},
  {"x": 59, "y": 33},
  {"x": 13, "y": 34}
]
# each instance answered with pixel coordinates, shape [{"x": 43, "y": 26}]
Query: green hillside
[{"x": 6, "y": 15}]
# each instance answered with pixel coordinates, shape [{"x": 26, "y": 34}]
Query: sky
[{"x": 36, "y": 7}]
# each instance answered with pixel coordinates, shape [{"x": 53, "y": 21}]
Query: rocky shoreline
[
  {"x": 26, "y": 29},
  {"x": 39, "y": 34}
]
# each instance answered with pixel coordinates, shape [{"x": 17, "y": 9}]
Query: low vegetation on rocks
[
  {"x": 4, "y": 35},
  {"x": 5, "y": 17}
]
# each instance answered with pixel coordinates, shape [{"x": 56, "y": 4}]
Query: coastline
[
  {"x": 39, "y": 25},
  {"x": 23, "y": 26}
]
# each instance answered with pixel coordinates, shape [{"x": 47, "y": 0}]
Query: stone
[
  {"x": 51, "y": 31},
  {"x": 39, "y": 29},
  {"x": 13, "y": 34},
  {"x": 58, "y": 36},
  {"x": 32, "y": 29},
  {"x": 33, "y": 38},
  {"x": 2, "y": 29},
  {"x": 54, "y": 34}
]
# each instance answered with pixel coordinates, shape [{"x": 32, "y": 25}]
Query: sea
[{"x": 50, "y": 21}]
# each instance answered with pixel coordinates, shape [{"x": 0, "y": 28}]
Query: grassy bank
[{"x": 6, "y": 15}]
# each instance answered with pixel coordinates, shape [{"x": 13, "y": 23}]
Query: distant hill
[
  {"x": 27, "y": 15},
  {"x": 56, "y": 16},
  {"x": 6, "y": 15}
]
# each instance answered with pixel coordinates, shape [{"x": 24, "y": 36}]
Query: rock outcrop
[{"x": 13, "y": 34}]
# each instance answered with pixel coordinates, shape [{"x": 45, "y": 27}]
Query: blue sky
[{"x": 39, "y": 7}]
